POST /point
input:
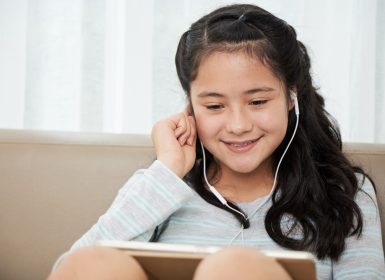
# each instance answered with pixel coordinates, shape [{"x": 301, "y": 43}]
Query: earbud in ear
[{"x": 293, "y": 96}]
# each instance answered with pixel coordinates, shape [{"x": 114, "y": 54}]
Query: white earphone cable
[{"x": 212, "y": 189}]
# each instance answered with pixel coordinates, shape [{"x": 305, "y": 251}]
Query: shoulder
[
  {"x": 366, "y": 189},
  {"x": 366, "y": 198},
  {"x": 363, "y": 255}
]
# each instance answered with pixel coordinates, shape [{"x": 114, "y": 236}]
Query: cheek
[
  {"x": 206, "y": 127},
  {"x": 272, "y": 122}
]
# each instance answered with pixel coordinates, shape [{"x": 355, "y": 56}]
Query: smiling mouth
[{"x": 240, "y": 146}]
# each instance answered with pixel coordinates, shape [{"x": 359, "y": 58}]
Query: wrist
[{"x": 173, "y": 166}]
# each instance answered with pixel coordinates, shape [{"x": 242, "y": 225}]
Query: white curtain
[{"x": 108, "y": 65}]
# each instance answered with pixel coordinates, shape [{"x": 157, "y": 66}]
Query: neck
[{"x": 243, "y": 187}]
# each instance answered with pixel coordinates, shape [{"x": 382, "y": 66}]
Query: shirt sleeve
[
  {"x": 148, "y": 198},
  {"x": 363, "y": 257}
]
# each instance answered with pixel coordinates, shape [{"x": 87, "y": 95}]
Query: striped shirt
[{"x": 156, "y": 196}]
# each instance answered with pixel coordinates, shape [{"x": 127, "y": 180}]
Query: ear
[
  {"x": 291, "y": 100},
  {"x": 189, "y": 108},
  {"x": 294, "y": 102}
]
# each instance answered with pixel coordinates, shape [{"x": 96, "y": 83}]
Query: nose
[{"x": 238, "y": 122}]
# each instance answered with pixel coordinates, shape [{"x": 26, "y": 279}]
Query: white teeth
[{"x": 240, "y": 145}]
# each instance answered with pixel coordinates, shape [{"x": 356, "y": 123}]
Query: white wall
[{"x": 12, "y": 62}]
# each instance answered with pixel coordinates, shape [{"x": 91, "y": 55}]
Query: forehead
[{"x": 232, "y": 72}]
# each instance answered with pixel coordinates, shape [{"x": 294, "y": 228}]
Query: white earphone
[{"x": 293, "y": 97}]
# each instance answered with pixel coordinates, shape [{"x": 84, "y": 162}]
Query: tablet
[{"x": 164, "y": 261}]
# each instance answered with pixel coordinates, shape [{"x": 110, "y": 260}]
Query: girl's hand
[{"x": 174, "y": 139}]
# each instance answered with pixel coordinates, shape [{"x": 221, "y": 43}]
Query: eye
[
  {"x": 214, "y": 107},
  {"x": 257, "y": 102}
]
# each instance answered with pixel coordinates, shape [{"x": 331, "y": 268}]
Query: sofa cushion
[{"x": 54, "y": 186}]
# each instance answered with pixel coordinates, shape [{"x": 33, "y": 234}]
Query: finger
[
  {"x": 186, "y": 134},
  {"x": 179, "y": 131},
  {"x": 181, "y": 124},
  {"x": 182, "y": 128},
  {"x": 191, "y": 139}
]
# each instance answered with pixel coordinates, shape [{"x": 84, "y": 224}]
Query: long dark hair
[{"x": 316, "y": 183}]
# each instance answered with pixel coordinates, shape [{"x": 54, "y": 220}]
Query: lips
[{"x": 240, "y": 146}]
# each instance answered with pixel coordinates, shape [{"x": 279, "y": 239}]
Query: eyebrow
[{"x": 249, "y": 91}]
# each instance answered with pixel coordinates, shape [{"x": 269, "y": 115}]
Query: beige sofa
[{"x": 55, "y": 185}]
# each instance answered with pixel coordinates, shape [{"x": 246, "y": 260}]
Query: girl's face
[{"x": 241, "y": 111}]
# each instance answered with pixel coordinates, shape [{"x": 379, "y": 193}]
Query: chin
[{"x": 243, "y": 168}]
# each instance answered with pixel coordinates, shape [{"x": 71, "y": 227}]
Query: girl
[{"x": 254, "y": 160}]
